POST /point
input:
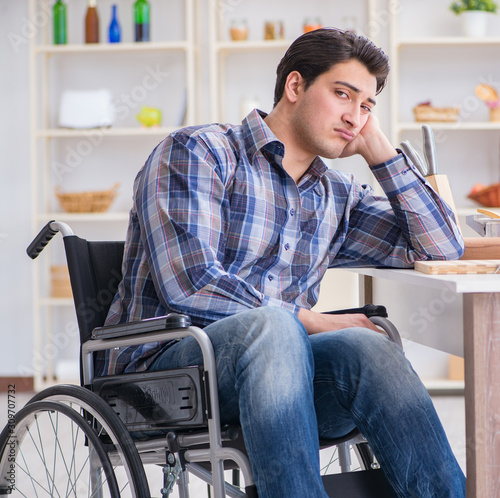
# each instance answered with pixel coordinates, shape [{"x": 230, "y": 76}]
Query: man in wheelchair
[{"x": 235, "y": 226}]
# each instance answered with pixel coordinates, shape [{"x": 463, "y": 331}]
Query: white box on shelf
[{"x": 86, "y": 109}]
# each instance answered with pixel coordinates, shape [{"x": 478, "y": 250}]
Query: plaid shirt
[{"x": 218, "y": 227}]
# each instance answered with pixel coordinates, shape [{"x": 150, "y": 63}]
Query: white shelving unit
[
  {"x": 115, "y": 153},
  {"x": 433, "y": 61}
]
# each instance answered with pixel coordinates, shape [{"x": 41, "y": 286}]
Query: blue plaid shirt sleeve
[{"x": 410, "y": 223}]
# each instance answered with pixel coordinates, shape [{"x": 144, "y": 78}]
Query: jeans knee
[
  {"x": 359, "y": 352},
  {"x": 276, "y": 323},
  {"x": 275, "y": 333},
  {"x": 367, "y": 344}
]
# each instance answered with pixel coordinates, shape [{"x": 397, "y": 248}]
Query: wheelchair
[{"x": 105, "y": 437}]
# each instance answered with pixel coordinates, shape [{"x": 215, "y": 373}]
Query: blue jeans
[{"x": 285, "y": 388}]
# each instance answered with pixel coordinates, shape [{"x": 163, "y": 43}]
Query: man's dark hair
[{"x": 316, "y": 52}]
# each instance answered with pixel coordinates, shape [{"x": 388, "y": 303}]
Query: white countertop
[{"x": 461, "y": 284}]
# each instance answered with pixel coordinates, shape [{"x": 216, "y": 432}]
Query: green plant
[{"x": 463, "y": 5}]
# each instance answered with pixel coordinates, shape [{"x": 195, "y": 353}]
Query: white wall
[{"x": 15, "y": 224}]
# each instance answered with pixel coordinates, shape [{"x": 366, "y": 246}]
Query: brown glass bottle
[{"x": 92, "y": 23}]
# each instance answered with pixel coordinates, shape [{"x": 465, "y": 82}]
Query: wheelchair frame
[{"x": 133, "y": 455}]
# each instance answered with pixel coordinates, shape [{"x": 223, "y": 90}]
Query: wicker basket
[
  {"x": 427, "y": 113},
  {"x": 87, "y": 202},
  {"x": 488, "y": 196},
  {"x": 60, "y": 283}
]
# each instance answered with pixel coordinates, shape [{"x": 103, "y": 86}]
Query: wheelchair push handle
[{"x": 45, "y": 236}]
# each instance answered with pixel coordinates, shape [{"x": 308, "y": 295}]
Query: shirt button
[
  {"x": 287, "y": 246},
  {"x": 270, "y": 278},
  {"x": 292, "y": 212}
]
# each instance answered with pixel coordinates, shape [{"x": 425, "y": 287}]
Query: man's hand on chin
[{"x": 371, "y": 144}]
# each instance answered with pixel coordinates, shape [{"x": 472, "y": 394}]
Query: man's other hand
[{"x": 316, "y": 323}]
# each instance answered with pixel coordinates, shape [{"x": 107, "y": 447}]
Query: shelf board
[
  {"x": 107, "y": 132},
  {"x": 456, "y": 126},
  {"x": 448, "y": 41},
  {"x": 56, "y": 301},
  {"x": 242, "y": 46},
  {"x": 85, "y": 217},
  {"x": 93, "y": 48}
]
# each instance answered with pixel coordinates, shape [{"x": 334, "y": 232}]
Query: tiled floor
[{"x": 450, "y": 409}]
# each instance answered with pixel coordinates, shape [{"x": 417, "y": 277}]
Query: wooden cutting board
[{"x": 472, "y": 266}]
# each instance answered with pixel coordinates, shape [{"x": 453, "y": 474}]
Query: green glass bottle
[
  {"x": 59, "y": 23},
  {"x": 141, "y": 20}
]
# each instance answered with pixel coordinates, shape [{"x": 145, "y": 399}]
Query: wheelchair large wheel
[
  {"x": 348, "y": 454},
  {"x": 42, "y": 444},
  {"x": 68, "y": 442}
]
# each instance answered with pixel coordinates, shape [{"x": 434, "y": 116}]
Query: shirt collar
[{"x": 257, "y": 135}]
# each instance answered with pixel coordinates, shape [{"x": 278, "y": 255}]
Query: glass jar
[
  {"x": 274, "y": 30},
  {"x": 311, "y": 24},
  {"x": 238, "y": 30}
]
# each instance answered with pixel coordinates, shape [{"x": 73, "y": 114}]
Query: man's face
[{"x": 333, "y": 110}]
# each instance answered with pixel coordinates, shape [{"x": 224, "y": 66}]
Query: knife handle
[
  {"x": 414, "y": 156},
  {"x": 429, "y": 149}
]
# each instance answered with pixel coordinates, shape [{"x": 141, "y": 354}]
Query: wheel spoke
[
  {"x": 28, "y": 474},
  {"x": 333, "y": 459},
  {"x": 55, "y": 424},
  {"x": 59, "y": 450},
  {"x": 333, "y": 464},
  {"x": 72, "y": 466},
  {"x": 41, "y": 454}
]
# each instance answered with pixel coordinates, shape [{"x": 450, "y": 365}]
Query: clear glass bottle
[
  {"x": 59, "y": 23},
  {"x": 141, "y": 20},
  {"x": 114, "y": 31},
  {"x": 92, "y": 23}
]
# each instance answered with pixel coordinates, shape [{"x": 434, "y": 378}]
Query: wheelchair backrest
[{"x": 95, "y": 270}]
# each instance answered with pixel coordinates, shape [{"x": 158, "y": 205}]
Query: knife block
[
  {"x": 475, "y": 247},
  {"x": 481, "y": 248}
]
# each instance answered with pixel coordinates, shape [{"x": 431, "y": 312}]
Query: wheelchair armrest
[
  {"x": 389, "y": 328},
  {"x": 168, "y": 322},
  {"x": 172, "y": 327},
  {"x": 368, "y": 310},
  {"x": 378, "y": 315}
]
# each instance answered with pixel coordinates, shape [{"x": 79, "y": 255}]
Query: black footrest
[{"x": 362, "y": 484}]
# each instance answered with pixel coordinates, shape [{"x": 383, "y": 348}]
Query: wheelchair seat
[{"x": 168, "y": 418}]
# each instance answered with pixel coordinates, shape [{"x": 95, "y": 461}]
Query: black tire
[
  {"x": 365, "y": 456},
  {"x": 43, "y": 469},
  {"x": 112, "y": 432}
]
